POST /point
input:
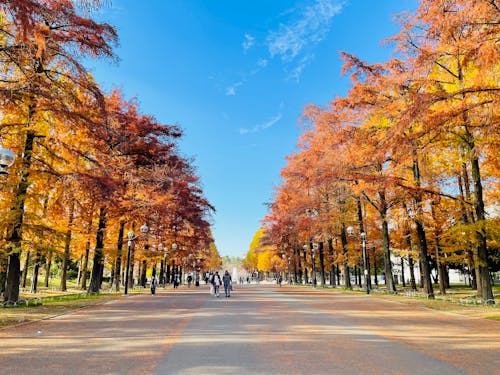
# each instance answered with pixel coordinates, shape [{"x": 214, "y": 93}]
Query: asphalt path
[{"x": 259, "y": 330}]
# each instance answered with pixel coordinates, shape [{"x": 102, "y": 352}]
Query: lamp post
[
  {"x": 6, "y": 160},
  {"x": 131, "y": 238}
]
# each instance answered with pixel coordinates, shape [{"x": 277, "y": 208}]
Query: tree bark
[
  {"x": 422, "y": 241},
  {"x": 322, "y": 263},
  {"x": 118, "y": 262},
  {"x": 306, "y": 277},
  {"x": 299, "y": 266},
  {"x": 48, "y": 265},
  {"x": 347, "y": 272},
  {"x": 67, "y": 242},
  {"x": 15, "y": 232},
  {"x": 98, "y": 260},
  {"x": 332, "y": 263},
  {"x": 24, "y": 274},
  {"x": 375, "y": 270},
  {"x": 36, "y": 271},
  {"x": 411, "y": 265},
  {"x": 484, "y": 290},
  {"x": 4, "y": 264},
  {"x": 143, "y": 273},
  {"x": 85, "y": 265},
  {"x": 389, "y": 278}
]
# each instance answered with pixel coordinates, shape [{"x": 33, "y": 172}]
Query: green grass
[{"x": 50, "y": 306}]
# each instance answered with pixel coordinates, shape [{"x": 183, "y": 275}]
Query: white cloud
[
  {"x": 296, "y": 72},
  {"x": 310, "y": 29},
  {"x": 298, "y": 37},
  {"x": 248, "y": 42},
  {"x": 265, "y": 125},
  {"x": 231, "y": 90},
  {"x": 262, "y": 63}
]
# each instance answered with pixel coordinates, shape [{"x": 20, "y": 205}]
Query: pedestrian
[
  {"x": 280, "y": 280},
  {"x": 189, "y": 280},
  {"x": 226, "y": 279},
  {"x": 216, "y": 282},
  {"x": 176, "y": 282},
  {"x": 154, "y": 284}
]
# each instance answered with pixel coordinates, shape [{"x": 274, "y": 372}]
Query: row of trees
[
  {"x": 90, "y": 167},
  {"x": 409, "y": 157}
]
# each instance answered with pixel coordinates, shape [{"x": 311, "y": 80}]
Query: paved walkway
[{"x": 259, "y": 330}]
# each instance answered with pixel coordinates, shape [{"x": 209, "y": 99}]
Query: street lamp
[
  {"x": 350, "y": 232},
  {"x": 6, "y": 160},
  {"x": 131, "y": 238}
]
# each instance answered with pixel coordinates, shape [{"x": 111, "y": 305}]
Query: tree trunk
[
  {"x": 85, "y": 265},
  {"x": 299, "y": 266},
  {"x": 15, "y": 232},
  {"x": 24, "y": 274},
  {"x": 347, "y": 272},
  {"x": 306, "y": 276},
  {"x": 162, "y": 270},
  {"x": 484, "y": 290},
  {"x": 295, "y": 270},
  {"x": 143, "y": 273},
  {"x": 167, "y": 276},
  {"x": 322, "y": 263},
  {"x": 98, "y": 260},
  {"x": 67, "y": 242},
  {"x": 48, "y": 265},
  {"x": 36, "y": 271},
  {"x": 4, "y": 264},
  {"x": 118, "y": 262},
  {"x": 389, "y": 278},
  {"x": 441, "y": 268},
  {"x": 332, "y": 263},
  {"x": 422, "y": 241},
  {"x": 467, "y": 217},
  {"x": 403, "y": 281}
]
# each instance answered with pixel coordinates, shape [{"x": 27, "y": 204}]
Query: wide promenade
[{"x": 259, "y": 330}]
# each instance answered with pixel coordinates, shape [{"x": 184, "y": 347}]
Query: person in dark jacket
[
  {"x": 226, "y": 280},
  {"x": 154, "y": 284},
  {"x": 216, "y": 282}
]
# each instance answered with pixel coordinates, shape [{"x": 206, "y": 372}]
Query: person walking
[
  {"x": 226, "y": 279},
  {"x": 154, "y": 284},
  {"x": 216, "y": 282}
]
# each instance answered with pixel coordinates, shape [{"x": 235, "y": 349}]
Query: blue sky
[{"x": 236, "y": 75}]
